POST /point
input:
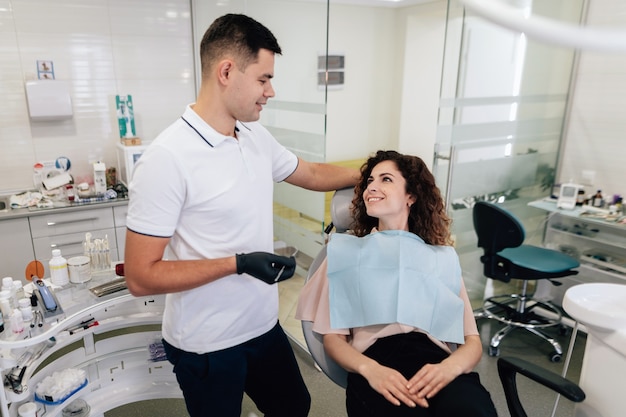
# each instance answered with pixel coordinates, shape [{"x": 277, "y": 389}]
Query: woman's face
[{"x": 386, "y": 198}]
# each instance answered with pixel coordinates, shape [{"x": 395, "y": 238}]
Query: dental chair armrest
[{"x": 508, "y": 367}]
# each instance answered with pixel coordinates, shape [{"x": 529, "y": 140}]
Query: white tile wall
[
  {"x": 103, "y": 48},
  {"x": 596, "y": 134}
]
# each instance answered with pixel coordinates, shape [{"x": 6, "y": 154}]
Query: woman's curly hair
[{"x": 427, "y": 217}]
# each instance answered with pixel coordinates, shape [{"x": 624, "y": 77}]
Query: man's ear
[{"x": 224, "y": 69}]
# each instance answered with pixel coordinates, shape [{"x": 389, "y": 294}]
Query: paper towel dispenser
[{"x": 49, "y": 100}]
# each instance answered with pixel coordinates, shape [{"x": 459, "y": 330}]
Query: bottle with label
[
  {"x": 59, "y": 274},
  {"x": 597, "y": 200}
]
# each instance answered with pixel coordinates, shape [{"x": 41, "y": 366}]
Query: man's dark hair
[{"x": 239, "y": 36}]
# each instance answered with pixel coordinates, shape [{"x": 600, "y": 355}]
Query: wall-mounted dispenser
[{"x": 49, "y": 100}]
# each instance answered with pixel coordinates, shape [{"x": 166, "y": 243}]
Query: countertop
[{"x": 60, "y": 207}]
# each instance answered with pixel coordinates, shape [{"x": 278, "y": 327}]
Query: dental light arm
[{"x": 549, "y": 30}]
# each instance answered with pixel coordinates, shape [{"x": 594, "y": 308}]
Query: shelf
[
  {"x": 592, "y": 239},
  {"x": 599, "y": 244}
]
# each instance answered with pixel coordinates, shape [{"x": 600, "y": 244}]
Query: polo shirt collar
[{"x": 204, "y": 130}]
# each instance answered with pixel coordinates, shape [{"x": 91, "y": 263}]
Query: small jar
[{"x": 26, "y": 309}]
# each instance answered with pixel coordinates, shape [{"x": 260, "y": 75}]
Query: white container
[
  {"x": 17, "y": 321},
  {"x": 6, "y": 304},
  {"x": 79, "y": 268},
  {"x": 28, "y": 409},
  {"x": 99, "y": 178},
  {"x": 25, "y": 308},
  {"x": 127, "y": 157},
  {"x": 18, "y": 290},
  {"x": 7, "y": 285},
  {"x": 59, "y": 274}
]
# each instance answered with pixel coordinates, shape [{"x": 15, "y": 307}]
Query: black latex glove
[{"x": 266, "y": 266}]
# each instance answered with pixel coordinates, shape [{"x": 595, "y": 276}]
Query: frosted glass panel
[{"x": 503, "y": 103}]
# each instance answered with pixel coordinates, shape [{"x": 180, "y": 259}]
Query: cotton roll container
[{"x": 79, "y": 268}]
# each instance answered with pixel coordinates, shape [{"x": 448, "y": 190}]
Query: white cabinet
[
  {"x": 598, "y": 244},
  {"x": 16, "y": 248},
  {"x": 65, "y": 230},
  {"x": 119, "y": 216}
]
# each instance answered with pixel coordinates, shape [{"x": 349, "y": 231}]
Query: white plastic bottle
[
  {"x": 18, "y": 290},
  {"x": 17, "y": 321},
  {"x": 59, "y": 274},
  {"x": 6, "y": 304},
  {"x": 7, "y": 285}
]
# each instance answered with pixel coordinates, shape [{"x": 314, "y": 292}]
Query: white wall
[
  {"x": 102, "y": 48},
  {"x": 362, "y": 116},
  {"x": 424, "y": 29},
  {"x": 109, "y": 47},
  {"x": 596, "y": 132}
]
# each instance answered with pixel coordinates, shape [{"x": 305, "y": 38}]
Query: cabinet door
[
  {"x": 16, "y": 248},
  {"x": 119, "y": 215}
]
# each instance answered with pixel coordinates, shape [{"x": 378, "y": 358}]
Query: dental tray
[
  {"x": 52, "y": 401},
  {"x": 110, "y": 287}
]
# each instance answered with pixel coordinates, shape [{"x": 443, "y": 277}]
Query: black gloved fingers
[
  {"x": 265, "y": 266},
  {"x": 286, "y": 271}
]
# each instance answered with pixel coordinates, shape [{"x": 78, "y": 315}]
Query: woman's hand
[
  {"x": 391, "y": 384},
  {"x": 429, "y": 380},
  {"x": 388, "y": 382}
]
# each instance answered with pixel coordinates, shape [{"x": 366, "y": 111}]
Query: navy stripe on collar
[{"x": 196, "y": 130}]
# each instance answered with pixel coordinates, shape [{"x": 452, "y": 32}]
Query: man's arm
[
  {"x": 322, "y": 177},
  {"x": 147, "y": 273}
]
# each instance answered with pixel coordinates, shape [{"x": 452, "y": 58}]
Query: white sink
[
  {"x": 601, "y": 305},
  {"x": 601, "y": 308}
]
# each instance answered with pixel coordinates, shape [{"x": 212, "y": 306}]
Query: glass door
[{"x": 501, "y": 114}]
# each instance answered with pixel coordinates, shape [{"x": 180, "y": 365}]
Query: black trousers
[
  {"x": 265, "y": 368},
  {"x": 408, "y": 353}
]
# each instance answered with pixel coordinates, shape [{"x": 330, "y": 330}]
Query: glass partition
[{"x": 501, "y": 114}]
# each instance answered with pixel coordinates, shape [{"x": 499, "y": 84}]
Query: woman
[{"x": 420, "y": 363}]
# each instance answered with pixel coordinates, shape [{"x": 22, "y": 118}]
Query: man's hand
[{"x": 266, "y": 266}]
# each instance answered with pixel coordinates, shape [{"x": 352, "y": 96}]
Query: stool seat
[{"x": 542, "y": 261}]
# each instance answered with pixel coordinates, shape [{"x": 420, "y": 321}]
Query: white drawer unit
[{"x": 66, "y": 231}]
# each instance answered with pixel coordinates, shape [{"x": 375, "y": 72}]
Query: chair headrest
[{"x": 340, "y": 209}]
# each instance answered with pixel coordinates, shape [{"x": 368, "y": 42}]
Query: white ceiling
[
  {"x": 379, "y": 3},
  {"x": 383, "y": 3}
]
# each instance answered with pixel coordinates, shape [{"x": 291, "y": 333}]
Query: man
[{"x": 200, "y": 230}]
